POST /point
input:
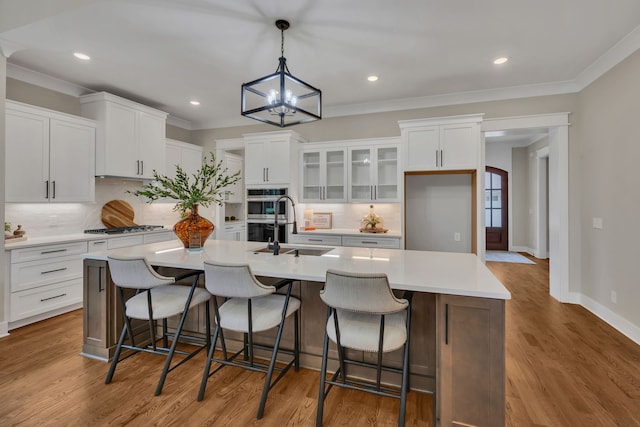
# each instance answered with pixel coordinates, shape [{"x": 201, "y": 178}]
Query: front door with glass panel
[{"x": 496, "y": 209}]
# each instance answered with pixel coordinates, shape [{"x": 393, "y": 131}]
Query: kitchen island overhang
[{"x": 458, "y": 312}]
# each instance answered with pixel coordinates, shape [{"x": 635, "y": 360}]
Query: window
[{"x": 493, "y": 200}]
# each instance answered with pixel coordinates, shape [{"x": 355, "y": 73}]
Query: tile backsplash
[
  {"x": 44, "y": 219},
  {"x": 349, "y": 215}
]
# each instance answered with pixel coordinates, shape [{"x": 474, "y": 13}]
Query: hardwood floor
[{"x": 565, "y": 367}]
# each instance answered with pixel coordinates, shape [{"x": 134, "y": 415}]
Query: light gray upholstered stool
[
  {"x": 156, "y": 298},
  {"x": 249, "y": 306},
  {"x": 363, "y": 314}
]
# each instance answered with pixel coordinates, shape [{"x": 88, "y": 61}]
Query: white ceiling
[{"x": 164, "y": 53}]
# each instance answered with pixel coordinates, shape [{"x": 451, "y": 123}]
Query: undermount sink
[{"x": 292, "y": 251}]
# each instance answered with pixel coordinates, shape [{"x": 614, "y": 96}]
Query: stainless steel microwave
[{"x": 261, "y": 204}]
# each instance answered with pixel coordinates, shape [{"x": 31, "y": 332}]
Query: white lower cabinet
[
  {"x": 237, "y": 232},
  {"x": 45, "y": 278},
  {"x": 346, "y": 240},
  {"x": 371, "y": 242},
  {"x": 316, "y": 239}
]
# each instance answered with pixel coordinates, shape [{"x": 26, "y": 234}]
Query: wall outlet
[
  {"x": 53, "y": 220},
  {"x": 597, "y": 223},
  {"x": 456, "y": 237},
  {"x": 614, "y": 297}
]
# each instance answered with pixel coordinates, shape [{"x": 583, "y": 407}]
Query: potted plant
[{"x": 204, "y": 187}]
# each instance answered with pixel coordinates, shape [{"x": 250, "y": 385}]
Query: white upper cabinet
[
  {"x": 234, "y": 193},
  {"x": 445, "y": 143},
  {"x": 323, "y": 174},
  {"x": 269, "y": 158},
  {"x": 188, "y": 156},
  {"x": 130, "y": 139},
  {"x": 374, "y": 173},
  {"x": 50, "y": 156}
]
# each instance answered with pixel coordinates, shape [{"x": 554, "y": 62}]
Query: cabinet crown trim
[
  {"x": 105, "y": 96},
  {"x": 467, "y": 118},
  {"x": 51, "y": 114}
]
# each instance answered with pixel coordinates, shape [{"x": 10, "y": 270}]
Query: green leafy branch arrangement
[{"x": 203, "y": 187}]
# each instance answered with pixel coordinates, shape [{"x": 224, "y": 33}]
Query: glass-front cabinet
[
  {"x": 374, "y": 173},
  {"x": 324, "y": 175}
]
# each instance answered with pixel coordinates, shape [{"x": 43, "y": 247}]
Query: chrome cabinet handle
[
  {"x": 137, "y": 167},
  {"x": 441, "y": 158},
  {"x": 364, "y": 242},
  {"x": 57, "y": 296},
  {"x": 437, "y": 158},
  {"x": 53, "y": 271},
  {"x": 52, "y": 251},
  {"x": 141, "y": 167}
]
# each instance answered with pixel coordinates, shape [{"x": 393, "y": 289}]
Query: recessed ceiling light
[
  {"x": 194, "y": 102},
  {"x": 82, "y": 56},
  {"x": 501, "y": 60},
  {"x": 372, "y": 78}
]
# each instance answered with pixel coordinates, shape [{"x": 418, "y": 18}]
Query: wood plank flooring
[{"x": 565, "y": 367}]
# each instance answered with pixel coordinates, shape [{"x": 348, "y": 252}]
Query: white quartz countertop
[
  {"x": 77, "y": 237},
  {"x": 433, "y": 272},
  {"x": 393, "y": 234}
]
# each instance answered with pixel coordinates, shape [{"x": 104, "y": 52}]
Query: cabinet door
[
  {"x": 334, "y": 176},
  {"x": 72, "y": 162},
  {"x": 459, "y": 146},
  {"x": 278, "y": 162},
  {"x": 471, "y": 360},
  {"x": 311, "y": 176},
  {"x": 120, "y": 145},
  {"x": 254, "y": 163},
  {"x": 234, "y": 193},
  {"x": 387, "y": 175},
  {"x": 151, "y": 139},
  {"x": 361, "y": 174},
  {"x": 27, "y": 157},
  {"x": 191, "y": 159},
  {"x": 173, "y": 157},
  {"x": 421, "y": 148}
]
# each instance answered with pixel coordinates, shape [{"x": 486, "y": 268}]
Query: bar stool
[
  {"x": 156, "y": 298},
  {"x": 363, "y": 314},
  {"x": 249, "y": 306}
]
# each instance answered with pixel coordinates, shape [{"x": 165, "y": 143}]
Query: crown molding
[
  {"x": 618, "y": 53},
  {"x": 39, "y": 79},
  {"x": 178, "y": 122}
]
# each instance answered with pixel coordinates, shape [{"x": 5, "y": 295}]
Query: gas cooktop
[{"x": 123, "y": 230}]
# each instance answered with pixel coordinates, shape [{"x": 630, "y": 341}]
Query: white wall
[
  {"x": 609, "y": 150},
  {"x": 437, "y": 207}
]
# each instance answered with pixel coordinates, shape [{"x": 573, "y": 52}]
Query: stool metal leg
[{"x": 323, "y": 374}]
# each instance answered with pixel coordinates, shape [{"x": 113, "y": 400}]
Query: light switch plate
[{"x": 597, "y": 223}]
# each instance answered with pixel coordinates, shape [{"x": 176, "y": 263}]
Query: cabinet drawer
[
  {"x": 372, "y": 242},
  {"x": 47, "y": 251},
  {"x": 123, "y": 242},
  {"x": 31, "y": 274},
  {"x": 40, "y": 300},
  {"x": 98, "y": 245},
  {"x": 159, "y": 237},
  {"x": 316, "y": 240}
]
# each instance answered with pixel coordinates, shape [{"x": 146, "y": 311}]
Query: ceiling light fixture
[
  {"x": 82, "y": 56},
  {"x": 501, "y": 60},
  {"x": 372, "y": 78},
  {"x": 194, "y": 102},
  {"x": 280, "y": 98}
]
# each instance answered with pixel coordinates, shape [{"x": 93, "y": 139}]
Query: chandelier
[{"x": 280, "y": 98}]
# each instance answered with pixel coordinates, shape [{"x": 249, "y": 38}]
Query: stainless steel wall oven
[{"x": 261, "y": 207}]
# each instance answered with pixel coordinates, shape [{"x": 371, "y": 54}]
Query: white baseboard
[
  {"x": 618, "y": 322},
  {"x": 4, "y": 329},
  {"x": 522, "y": 249}
]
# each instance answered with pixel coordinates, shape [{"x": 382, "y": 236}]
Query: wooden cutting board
[{"x": 117, "y": 213}]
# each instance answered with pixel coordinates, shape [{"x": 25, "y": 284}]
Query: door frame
[
  {"x": 504, "y": 187},
  {"x": 558, "y": 126}
]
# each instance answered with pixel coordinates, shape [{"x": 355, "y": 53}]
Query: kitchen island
[{"x": 457, "y": 333}]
